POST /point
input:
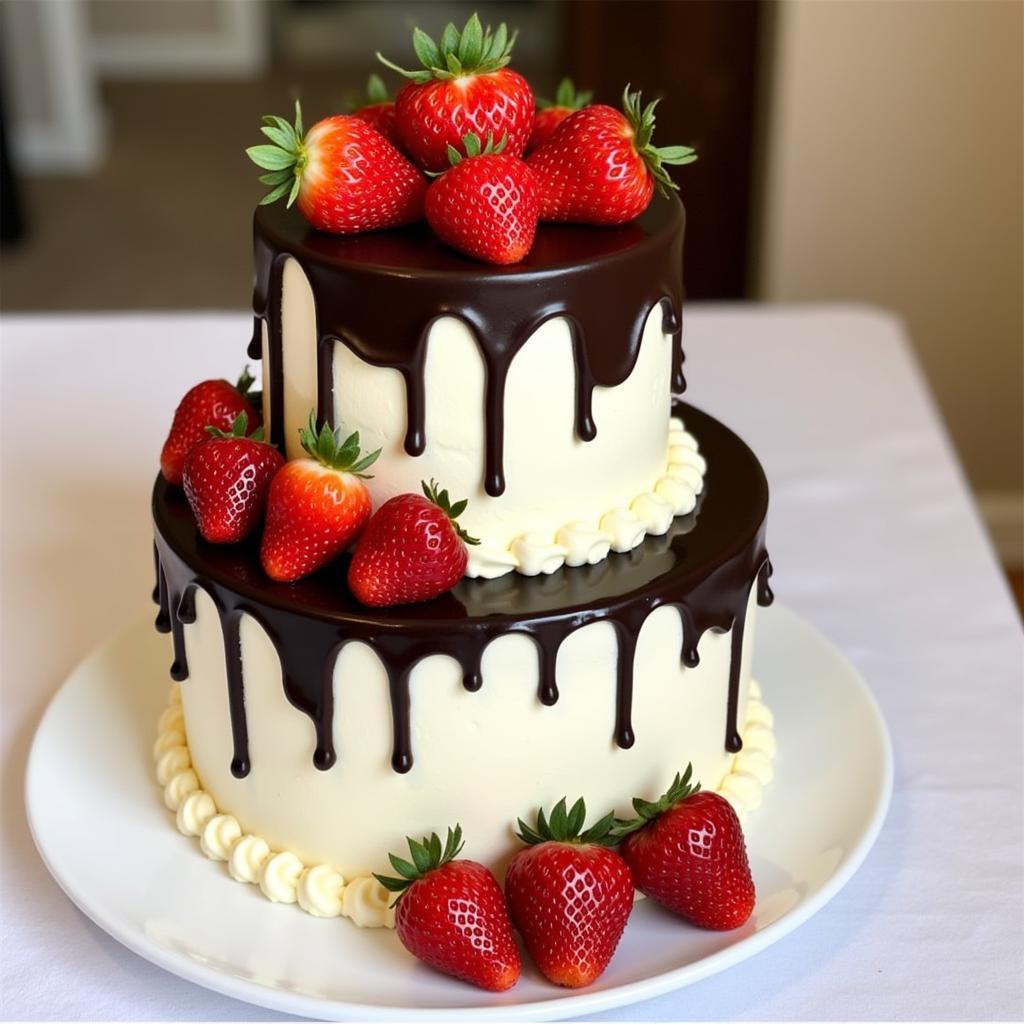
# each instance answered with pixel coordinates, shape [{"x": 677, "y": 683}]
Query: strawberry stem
[
  {"x": 647, "y": 810},
  {"x": 427, "y": 855},
  {"x": 566, "y": 96},
  {"x": 641, "y": 120},
  {"x": 473, "y": 51},
  {"x": 239, "y": 428},
  {"x": 284, "y": 158},
  {"x": 328, "y": 448},
  {"x": 452, "y": 511},
  {"x": 564, "y": 826}
]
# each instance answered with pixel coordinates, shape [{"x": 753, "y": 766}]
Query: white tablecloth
[{"x": 874, "y": 540}]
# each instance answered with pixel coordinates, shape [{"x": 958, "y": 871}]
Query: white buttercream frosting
[
  {"x": 584, "y": 544},
  {"x": 752, "y": 767},
  {"x": 320, "y": 891},
  {"x": 368, "y": 904},
  {"x": 620, "y": 529},
  {"x": 281, "y": 876}
]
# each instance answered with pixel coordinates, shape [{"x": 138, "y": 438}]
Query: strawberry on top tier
[
  {"x": 211, "y": 403},
  {"x": 411, "y": 550},
  {"x": 346, "y": 176},
  {"x": 551, "y": 114},
  {"x": 486, "y": 204},
  {"x": 317, "y": 505},
  {"x": 463, "y": 86},
  {"x": 226, "y": 480},
  {"x": 601, "y": 167},
  {"x": 379, "y": 109}
]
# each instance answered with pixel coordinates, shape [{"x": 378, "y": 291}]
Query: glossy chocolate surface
[
  {"x": 380, "y": 293},
  {"x": 704, "y": 566}
]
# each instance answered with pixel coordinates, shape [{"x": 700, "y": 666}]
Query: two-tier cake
[{"x": 601, "y": 637}]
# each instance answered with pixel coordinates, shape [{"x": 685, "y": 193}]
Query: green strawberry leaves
[
  {"x": 427, "y": 855},
  {"x": 471, "y": 143},
  {"x": 641, "y": 120},
  {"x": 239, "y": 429},
  {"x": 565, "y": 825},
  {"x": 284, "y": 158},
  {"x": 647, "y": 810},
  {"x": 473, "y": 51},
  {"x": 440, "y": 498},
  {"x": 567, "y": 96},
  {"x": 328, "y": 448}
]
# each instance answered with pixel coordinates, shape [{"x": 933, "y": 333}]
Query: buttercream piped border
[
  {"x": 319, "y": 889},
  {"x": 620, "y": 529}
]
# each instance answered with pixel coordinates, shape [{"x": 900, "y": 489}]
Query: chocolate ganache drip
[
  {"x": 705, "y": 567},
  {"x": 379, "y": 294}
]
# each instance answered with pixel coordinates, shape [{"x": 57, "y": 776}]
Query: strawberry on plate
[
  {"x": 411, "y": 550},
  {"x": 379, "y": 109},
  {"x": 686, "y": 852},
  {"x": 451, "y": 914},
  {"x": 486, "y": 205},
  {"x": 463, "y": 86},
  {"x": 345, "y": 175},
  {"x": 551, "y": 114},
  {"x": 212, "y": 403},
  {"x": 601, "y": 167},
  {"x": 569, "y": 894},
  {"x": 316, "y": 505},
  {"x": 226, "y": 479}
]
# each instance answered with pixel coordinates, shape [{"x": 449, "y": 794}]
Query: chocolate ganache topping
[
  {"x": 380, "y": 293},
  {"x": 705, "y": 567}
]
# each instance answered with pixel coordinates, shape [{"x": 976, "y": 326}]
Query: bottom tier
[{"x": 331, "y": 732}]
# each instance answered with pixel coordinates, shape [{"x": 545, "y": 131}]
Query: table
[{"x": 874, "y": 538}]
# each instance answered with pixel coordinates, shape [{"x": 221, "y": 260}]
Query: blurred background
[{"x": 855, "y": 151}]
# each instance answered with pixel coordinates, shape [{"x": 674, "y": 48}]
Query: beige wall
[{"x": 893, "y": 174}]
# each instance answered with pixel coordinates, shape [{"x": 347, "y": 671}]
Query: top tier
[{"x": 540, "y": 391}]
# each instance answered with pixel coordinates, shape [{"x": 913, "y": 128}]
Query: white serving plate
[{"x": 99, "y": 822}]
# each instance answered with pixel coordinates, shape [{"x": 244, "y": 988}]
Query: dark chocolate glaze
[
  {"x": 380, "y": 293},
  {"x": 705, "y": 567}
]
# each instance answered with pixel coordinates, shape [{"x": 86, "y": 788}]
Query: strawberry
[
  {"x": 569, "y": 894},
  {"x": 550, "y": 115},
  {"x": 463, "y": 86},
  {"x": 316, "y": 506},
  {"x": 379, "y": 111},
  {"x": 213, "y": 403},
  {"x": 486, "y": 205},
  {"x": 600, "y": 166},
  {"x": 346, "y": 175},
  {"x": 686, "y": 852},
  {"x": 226, "y": 480},
  {"x": 411, "y": 550},
  {"x": 451, "y": 914}
]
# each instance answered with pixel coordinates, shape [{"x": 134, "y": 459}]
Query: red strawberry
[
  {"x": 346, "y": 175},
  {"x": 451, "y": 914},
  {"x": 316, "y": 506},
  {"x": 226, "y": 480},
  {"x": 411, "y": 550},
  {"x": 213, "y": 403},
  {"x": 486, "y": 205},
  {"x": 686, "y": 852},
  {"x": 600, "y": 166},
  {"x": 464, "y": 86},
  {"x": 379, "y": 111},
  {"x": 570, "y": 895},
  {"x": 550, "y": 115}
]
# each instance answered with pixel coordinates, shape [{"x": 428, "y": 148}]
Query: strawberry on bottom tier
[{"x": 333, "y": 730}]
